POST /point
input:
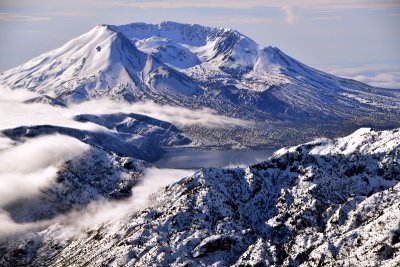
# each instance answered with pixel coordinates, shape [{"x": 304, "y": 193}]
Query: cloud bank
[
  {"x": 39, "y": 159},
  {"x": 178, "y": 116},
  {"x": 153, "y": 180},
  {"x": 15, "y": 113},
  {"x": 100, "y": 212},
  {"x": 379, "y": 75},
  {"x": 28, "y": 167}
]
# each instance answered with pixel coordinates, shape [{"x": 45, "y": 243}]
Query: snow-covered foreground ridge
[{"x": 324, "y": 203}]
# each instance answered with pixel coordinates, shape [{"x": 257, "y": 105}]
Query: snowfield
[
  {"x": 81, "y": 125},
  {"x": 197, "y": 67},
  {"x": 324, "y": 203}
]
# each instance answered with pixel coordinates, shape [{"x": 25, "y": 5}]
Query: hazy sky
[{"x": 351, "y": 38}]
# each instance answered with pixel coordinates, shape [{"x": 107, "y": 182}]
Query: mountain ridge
[
  {"x": 326, "y": 202},
  {"x": 196, "y": 67}
]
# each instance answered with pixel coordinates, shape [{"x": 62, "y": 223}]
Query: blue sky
[{"x": 352, "y": 38}]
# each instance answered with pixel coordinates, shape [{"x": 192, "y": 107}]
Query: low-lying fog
[
  {"x": 29, "y": 166},
  {"x": 14, "y": 112}
]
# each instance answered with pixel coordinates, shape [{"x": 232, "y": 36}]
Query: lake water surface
[{"x": 181, "y": 158}]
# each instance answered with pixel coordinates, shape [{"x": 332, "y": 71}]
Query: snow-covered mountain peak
[
  {"x": 102, "y": 62},
  {"x": 274, "y": 56},
  {"x": 198, "y": 66},
  {"x": 189, "y": 34},
  {"x": 186, "y": 42},
  {"x": 88, "y": 64}
]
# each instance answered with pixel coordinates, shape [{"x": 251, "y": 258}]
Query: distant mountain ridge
[
  {"x": 127, "y": 135},
  {"x": 195, "y": 66}
]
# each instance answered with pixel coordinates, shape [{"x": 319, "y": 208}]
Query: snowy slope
[
  {"x": 324, "y": 203},
  {"x": 100, "y": 63},
  {"x": 196, "y": 66}
]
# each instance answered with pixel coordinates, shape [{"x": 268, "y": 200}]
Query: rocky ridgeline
[{"x": 324, "y": 203}]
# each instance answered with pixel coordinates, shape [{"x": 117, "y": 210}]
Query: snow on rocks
[{"x": 339, "y": 207}]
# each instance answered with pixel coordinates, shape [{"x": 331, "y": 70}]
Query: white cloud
[
  {"x": 290, "y": 14},
  {"x": 39, "y": 159},
  {"x": 39, "y": 153},
  {"x": 391, "y": 80},
  {"x": 20, "y": 17},
  {"x": 8, "y": 227},
  {"x": 104, "y": 211},
  {"x": 379, "y": 75},
  {"x": 16, "y": 185},
  {"x": 27, "y": 168},
  {"x": 15, "y": 113},
  {"x": 5, "y": 143},
  {"x": 178, "y": 116},
  {"x": 153, "y": 180}
]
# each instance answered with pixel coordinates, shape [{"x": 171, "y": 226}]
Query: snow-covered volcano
[{"x": 197, "y": 66}]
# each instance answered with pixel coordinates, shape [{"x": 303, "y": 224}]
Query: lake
[{"x": 181, "y": 158}]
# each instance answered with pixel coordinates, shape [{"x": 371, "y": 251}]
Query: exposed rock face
[
  {"x": 45, "y": 99},
  {"x": 324, "y": 203}
]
